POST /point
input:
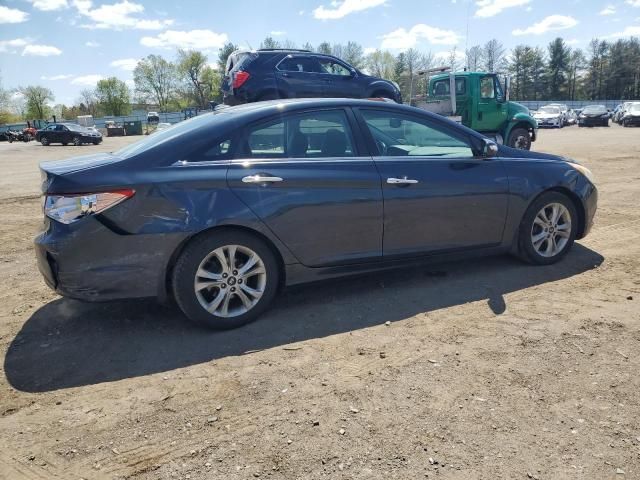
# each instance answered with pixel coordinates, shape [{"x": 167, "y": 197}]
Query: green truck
[{"x": 481, "y": 102}]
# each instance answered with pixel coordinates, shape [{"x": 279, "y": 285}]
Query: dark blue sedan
[{"x": 222, "y": 210}]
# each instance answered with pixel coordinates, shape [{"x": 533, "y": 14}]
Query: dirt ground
[{"x": 489, "y": 369}]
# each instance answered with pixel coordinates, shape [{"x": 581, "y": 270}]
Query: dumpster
[{"x": 133, "y": 127}]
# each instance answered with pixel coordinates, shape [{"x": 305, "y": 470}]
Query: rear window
[
  {"x": 441, "y": 87},
  {"x": 239, "y": 60}
]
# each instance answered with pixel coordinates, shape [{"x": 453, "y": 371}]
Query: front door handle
[
  {"x": 401, "y": 181},
  {"x": 261, "y": 179}
]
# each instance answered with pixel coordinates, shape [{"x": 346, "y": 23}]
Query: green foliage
[
  {"x": 156, "y": 80},
  {"x": 269, "y": 42},
  {"x": 223, "y": 55},
  {"x": 36, "y": 99},
  {"x": 113, "y": 97}
]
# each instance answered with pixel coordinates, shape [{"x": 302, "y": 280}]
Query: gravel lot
[{"x": 489, "y": 369}]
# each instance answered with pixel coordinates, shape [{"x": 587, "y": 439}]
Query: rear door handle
[
  {"x": 261, "y": 179},
  {"x": 401, "y": 181}
]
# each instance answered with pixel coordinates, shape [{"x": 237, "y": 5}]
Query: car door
[
  {"x": 339, "y": 78},
  {"x": 299, "y": 76},
  {"x": 438, "y": 196},
  {"x": 305, "y": 177},
  {"x": 492, "y": 109}
]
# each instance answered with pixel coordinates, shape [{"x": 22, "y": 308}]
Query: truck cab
[{"x": 482, "y": 104}]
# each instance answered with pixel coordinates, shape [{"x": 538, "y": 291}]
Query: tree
[
  {"x": 307, "y": 46},
  {"x": 113, "y": 97},
  {"x": 558, "y": 66},
  {"x": 155, "y": 80},
  {"x": 474, "y": 58},
  {"x": 269, "y": 42},
  {"x": 399, "y": 67},
  {"x": 88, "y": 102},
  {"x": 380, "y": 64},
  {"x": 191, "y": 65},
  {"x": 37, "y": 99},
  {"x": 226, "y": 50},
  {"x": 577, "y": 63},
  {"x": 452, "y": 59},
  {"x": 353, "y": 54},
  {"x": 493, "y": 56},
  {"x": 325, "y": 48}
]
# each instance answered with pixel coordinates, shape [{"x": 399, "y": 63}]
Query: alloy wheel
[
  {"x": 230, "y": 281},
  {"x": 551, "y": 230}
]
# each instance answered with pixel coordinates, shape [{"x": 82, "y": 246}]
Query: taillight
[
  {"x": 70, "y": 207},
  {"x": 239, "y": 78}
]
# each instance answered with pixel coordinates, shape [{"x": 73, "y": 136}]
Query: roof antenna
[{"x": 466, "y": 38}]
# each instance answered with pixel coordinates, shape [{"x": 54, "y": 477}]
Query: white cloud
[
  {"x": 10, "y": 46},
  {"x": 573, "y": 41},
  {"x": 403, "y": 39},
  {"x": 118, "y": 16},
  {"x": 49, "y": 5},
  {"x": 550, "y": 23},
  {"x": 339, "y": 9},
  {"x": 200, "y": 39},
  {"x": 56, "y": 77},
  {"x": 633, "y": 3},
  {"x": 627, "y": 32},
  {"x": 277, "y": 33},
  {"x": 91, "y": 44},
  {"x": 128, "y": 64},
  {"x": 41, "y": 50},
  {"x": 12, "y": 15},
  {"x": 608, "y": 10},
  {"x": 489, "y": 8},
  {"x": 87, "y": 80}
]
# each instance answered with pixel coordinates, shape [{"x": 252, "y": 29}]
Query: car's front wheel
[
  {"x": 44, "y": 141},
  {"x": 548, "y": 229},
  {"x": 77, "y": 141},
  {"x": 226, "y": 279}
]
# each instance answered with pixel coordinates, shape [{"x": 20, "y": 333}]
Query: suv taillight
[{"x": 239, "y": 78}]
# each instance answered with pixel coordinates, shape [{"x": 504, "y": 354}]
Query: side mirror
[{"x": 490, "y": 148}]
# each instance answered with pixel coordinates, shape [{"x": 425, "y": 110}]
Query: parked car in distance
[
  {"x": 564, "y": 110},
  {"x": 593, "y": 116},
  {"x": 631, "y": 116},
  {"x": 572, "y": 117},
  {"x": 549, "y": 116},
  {"x": 222, "y": 210},
  {"x": 267, "y": 74},
  {"x": 66, "y": 133},
  {"x": 153, "y": 117}
]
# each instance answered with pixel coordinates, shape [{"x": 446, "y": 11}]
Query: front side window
[
  {"x": 322, "y": 134},
  {"x": 399, "y": 135},
  {"x": 333, "y": 68},
  {"x": 487, "y": 89}
]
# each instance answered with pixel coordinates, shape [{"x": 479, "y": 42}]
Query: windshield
[
  {"x": 555, "y": 110},
  {"x": 635, "y": 108},
  {"x": 594, "y": 109}
]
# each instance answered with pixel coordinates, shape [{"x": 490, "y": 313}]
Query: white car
[
  {"x": 549, "y": 116},
  {"x": 564, "y": 109}
]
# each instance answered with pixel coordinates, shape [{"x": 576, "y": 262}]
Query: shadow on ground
[{"x": 68, "y": 343}]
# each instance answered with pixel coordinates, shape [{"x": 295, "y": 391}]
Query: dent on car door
[
  {"x": 302, "y": 175},
  {"x": 438, "y": 196}
]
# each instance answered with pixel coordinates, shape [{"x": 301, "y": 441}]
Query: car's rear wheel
[
  {"x": 64, "y": 144},
  {"x": 548, "y": 229},
  {"x": 77, "y": 141},
  {"x": 44, "y": 141},
  {"x": 519, "y": 138},
  {"x": 225, "y": 280}
]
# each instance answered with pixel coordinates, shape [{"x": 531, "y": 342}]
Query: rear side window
[
  {"x": 239, "y": 61},
  {"x": 322, "y": 134},
  {"x": 299, "y": 64}
]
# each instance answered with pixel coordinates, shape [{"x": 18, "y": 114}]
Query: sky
[{"x": 67, "y": 45}]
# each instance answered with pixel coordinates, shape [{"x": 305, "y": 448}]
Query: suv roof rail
[{"x": 283, "y": 50}]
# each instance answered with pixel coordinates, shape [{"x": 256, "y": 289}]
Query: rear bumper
[{"x": 87, "y": 261}]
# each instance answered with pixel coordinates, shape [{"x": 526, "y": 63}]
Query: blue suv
[{"x": 269, "y": 74}]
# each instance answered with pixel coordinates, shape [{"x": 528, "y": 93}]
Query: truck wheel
[{"x": 520, "y": 139}]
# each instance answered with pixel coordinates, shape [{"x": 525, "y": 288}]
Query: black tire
[
  {"x": 77, "y": 141},
  {"x": 519, "y": 138},
  {"x": 184, "y": 275},
  {"x": 44, "y": 141},
  {"x": 64, "y": 144},
  {"x": 526, "y": 249},
  {"x": 96, "y": 142},
  {"x": 10, "y": 139}
]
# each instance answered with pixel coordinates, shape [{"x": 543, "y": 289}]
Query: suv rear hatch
[{"x": 236, "y": 62}]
